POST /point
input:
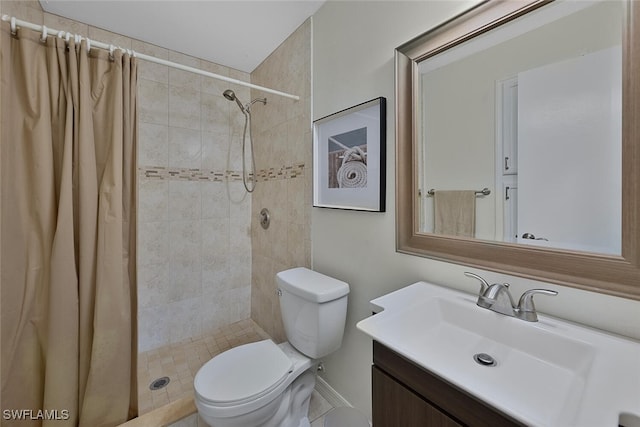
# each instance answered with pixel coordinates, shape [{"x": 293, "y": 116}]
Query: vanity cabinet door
[{"x": 395, "y": 405}]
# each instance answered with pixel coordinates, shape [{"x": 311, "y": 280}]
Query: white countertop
[{"x": 549, "y": 373}]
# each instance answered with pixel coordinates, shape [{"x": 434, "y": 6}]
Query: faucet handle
[
  {"x": 526, "y": 308},
  {"x": 484, "y": 285}
]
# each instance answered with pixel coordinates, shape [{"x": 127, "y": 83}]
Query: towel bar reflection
[{"x": 484, "y": 192}]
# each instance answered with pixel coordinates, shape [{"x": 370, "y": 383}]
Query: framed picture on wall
[{"x": 349, "y": 158}]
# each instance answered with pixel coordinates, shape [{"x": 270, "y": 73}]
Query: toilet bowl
[
  {"x": 264, "y": 384},
  {"x": 253, "y": 385}
]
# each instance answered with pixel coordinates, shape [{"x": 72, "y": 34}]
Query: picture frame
[{"x": 349, "y": 158}]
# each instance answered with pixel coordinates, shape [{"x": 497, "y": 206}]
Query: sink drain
[
  {"x": 484, "y": 359},
  {"x": 159, "y": 383}
]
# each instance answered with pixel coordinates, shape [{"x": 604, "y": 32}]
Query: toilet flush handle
[{"x": 279, "y": 292}]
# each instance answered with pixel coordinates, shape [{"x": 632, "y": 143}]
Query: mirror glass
[
  {"x": 534, "y": 132},
  {"x": 521, "y": 131}
]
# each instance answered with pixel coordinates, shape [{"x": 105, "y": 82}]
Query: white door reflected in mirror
[{"x": 533, "y": 110}]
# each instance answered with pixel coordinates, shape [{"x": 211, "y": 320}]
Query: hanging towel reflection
[{"x": 455, "y": 213}]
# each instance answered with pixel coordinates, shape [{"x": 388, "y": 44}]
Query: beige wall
[
  {"x": 353, "y": 62},
  {"x": 282, "y": 140}
]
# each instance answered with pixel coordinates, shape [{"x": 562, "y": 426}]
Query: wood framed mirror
[{"x": 615, "y": 272}]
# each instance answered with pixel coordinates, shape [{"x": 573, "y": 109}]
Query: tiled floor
[{"x": 181, "y": 361}]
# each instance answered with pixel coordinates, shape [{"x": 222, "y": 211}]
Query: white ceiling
[{"x": 238, "y": 33}]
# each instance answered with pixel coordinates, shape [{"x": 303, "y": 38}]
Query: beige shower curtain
[{"x": 68, "y": 233}]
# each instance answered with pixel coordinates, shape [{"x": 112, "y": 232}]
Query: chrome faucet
[{"x": 497, "y": 298}]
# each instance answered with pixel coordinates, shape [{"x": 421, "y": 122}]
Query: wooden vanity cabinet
[{"x": 407, "y": 395}]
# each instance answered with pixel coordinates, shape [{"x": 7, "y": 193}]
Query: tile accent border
[
  {"x": 284, "y": 172},
  {"x": 185, "y": 174}
]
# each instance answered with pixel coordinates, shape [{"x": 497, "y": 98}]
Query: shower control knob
[{"x": 265, "y": 218}]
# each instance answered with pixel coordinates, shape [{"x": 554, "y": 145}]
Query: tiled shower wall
[
  {"x": 283, "y": 142},
  {"x": 194, "y": 266},
  {"x": 194, "y": 220}
]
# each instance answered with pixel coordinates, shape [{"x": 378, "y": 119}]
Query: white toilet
[{"x": 264, "y": 384}]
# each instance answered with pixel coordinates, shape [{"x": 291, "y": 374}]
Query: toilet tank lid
[{"x": 311, "y": 285}]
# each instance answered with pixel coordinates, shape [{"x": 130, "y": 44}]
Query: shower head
[{"x": 231, "y": 96}]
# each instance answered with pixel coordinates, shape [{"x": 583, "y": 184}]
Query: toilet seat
[{"x": 242, "y": 374}]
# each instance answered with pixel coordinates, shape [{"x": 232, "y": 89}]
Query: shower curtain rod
[{"x": 46, "y": 31}]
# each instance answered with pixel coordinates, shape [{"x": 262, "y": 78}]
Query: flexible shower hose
[{"x": 252, "y": 172}]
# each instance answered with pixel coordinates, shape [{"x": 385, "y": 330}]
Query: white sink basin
[{"x": 547, "y": 373}]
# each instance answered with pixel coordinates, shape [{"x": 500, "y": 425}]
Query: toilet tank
[{"x": 314, "y": 310}]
